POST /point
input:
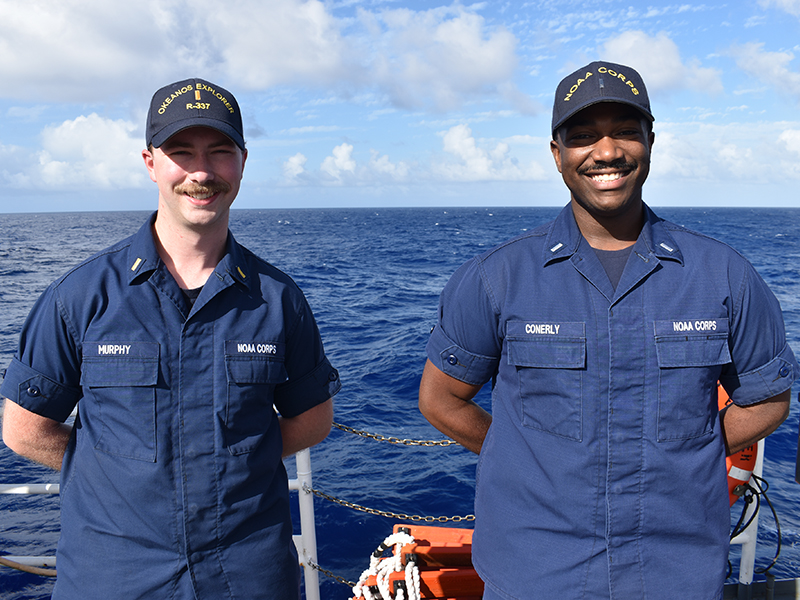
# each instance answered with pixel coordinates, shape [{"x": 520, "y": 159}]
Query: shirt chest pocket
[
  {"x": 690, "y": 358},
  {"x": 249, "y": 411},
  {"x": 550, "y": 373},
  {"x": 120, "y": 379}
]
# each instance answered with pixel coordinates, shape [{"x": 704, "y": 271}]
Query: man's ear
[
  {"x": 555, "y": 148},
  {"x": 147, "y": 155}
]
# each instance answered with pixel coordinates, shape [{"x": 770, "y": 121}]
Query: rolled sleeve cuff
[
  {"x": 775, "y": 377},
  {"x": 309, "y": 391},
  {"x": 458, "y": 363},
  {"x": 37, "y": 393}
]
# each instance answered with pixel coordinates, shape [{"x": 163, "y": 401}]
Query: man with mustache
[
  {"x": 195, "y": 366},
  {"x": 604, "y": 333}
]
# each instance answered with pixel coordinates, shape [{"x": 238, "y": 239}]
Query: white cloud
[
  {"x": 770, "y": 67},
  {"x": 89, "y": 152},
  {"x": 94, "y": 50},
  {"x": 465, "y": 159},
  {"x": 475, "y": 163},
  {"x": 341, "y": 162},
  {"x": 439, "y": 56},
  {"x": 92, "y": 152},
  {"x": 77, "y": 49},
  {"x": 382, "y": 166},
  {"x": 658, "y": 60},
  {"x": 275, "y": 43},
  {"x": 340, "y": 168},
  {"x": 791, "y": 137},
  {"x": 790, "y": 6},
  {"x": 744, "y": 152},
  {"x": 295, "y": 166}
]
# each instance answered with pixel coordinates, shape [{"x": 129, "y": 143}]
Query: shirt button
[
  {"x": 334, "y": 375},
  {"x": 784, "y": 372},
  {"x": 452, "y": 359},
  {"x": 193, "y": 509},
  {"x": 34, "y": 391}
]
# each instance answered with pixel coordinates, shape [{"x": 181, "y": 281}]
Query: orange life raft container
[
  {"x": 740, "y": 465},
  {"x": 443, "y": 557}
]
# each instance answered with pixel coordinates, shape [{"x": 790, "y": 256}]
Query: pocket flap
[
  {"x": 692, "y": 343},
  {"x": 253, "y": 369},
  {"x": 547, "y": 353},
  {"x": 120, "y": 364}
]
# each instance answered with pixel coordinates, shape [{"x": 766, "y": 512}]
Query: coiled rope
[{"x": 382, "y": 567}]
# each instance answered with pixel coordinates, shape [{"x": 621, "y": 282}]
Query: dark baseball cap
[
  {"x": 193, "y": 103},
  {"x": 597, "y": 82}
]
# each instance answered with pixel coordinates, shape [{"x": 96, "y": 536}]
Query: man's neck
[
  {"x": 189, "y": 255},
  {"x": 612, "y": 232}
]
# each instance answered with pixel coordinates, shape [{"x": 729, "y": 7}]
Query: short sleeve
[
  {"x": 311, "y": 377},
  {"x": 763, "y": 364},
  {"x": 465, "y": 344},
  {"x": 44, "y": 376}
]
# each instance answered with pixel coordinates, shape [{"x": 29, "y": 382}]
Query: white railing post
[
  {"x": 748, "y": 537},
  {"x": 306, "y": 542}
]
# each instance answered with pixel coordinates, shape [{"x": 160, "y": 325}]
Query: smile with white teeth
[
  {"x": 201, "y": 196},
  {"x": 606, "y": 177}
]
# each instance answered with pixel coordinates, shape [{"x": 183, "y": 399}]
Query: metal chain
[
  {"x": 327, "y": 573},
  {"x": 394, "y": 440},
  {"x": 391, "y": 515}
]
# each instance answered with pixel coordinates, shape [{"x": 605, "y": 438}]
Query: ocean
[{"x": 372, "y": 277}]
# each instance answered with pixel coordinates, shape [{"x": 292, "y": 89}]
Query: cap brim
[
  {"x": 167, "y": 132},
  {"x": 581, "y": 107}
]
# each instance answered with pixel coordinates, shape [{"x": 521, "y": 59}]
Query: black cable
[
  {"x": 758, "y": 481},
  {"x": 754, "y": 494},
  {"x": 748, "y": 496}
]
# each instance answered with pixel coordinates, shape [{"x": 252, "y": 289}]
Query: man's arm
[
  {"x": 33, "y": 436},
  {"x": 447, "y": 404},
  {"x": 743, "y": 426},
  {"x": 306, "y": 429}
]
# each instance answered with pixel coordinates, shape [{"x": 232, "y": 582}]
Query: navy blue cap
[
  {"x": 597, "y": 82},
  {"x": 193, "y": 103}
]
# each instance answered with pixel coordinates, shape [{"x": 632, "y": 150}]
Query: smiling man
[
  {"x": 195, "y": 367},
  {"x": 604, "y": 333}
]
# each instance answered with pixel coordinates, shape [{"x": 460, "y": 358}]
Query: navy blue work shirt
[
  {"x": 603, "y": 472},
  {"x": 172, "y": 484}
]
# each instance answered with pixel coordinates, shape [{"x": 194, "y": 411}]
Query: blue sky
[{"x": 373, "y": 103}]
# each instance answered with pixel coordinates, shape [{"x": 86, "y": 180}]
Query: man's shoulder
[
  {"x": 98, "y": 266},
  {"x": 518, "y": 247},
  {"x": 694, "y": 242},
  {"x": 267, "y": 273}
]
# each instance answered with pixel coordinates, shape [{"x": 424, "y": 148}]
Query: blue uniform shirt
[
  {"x": 603, "y": 473},
  {"x": 172, "y": 485}
]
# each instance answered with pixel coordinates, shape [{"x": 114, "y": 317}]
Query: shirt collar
[
  {"x": 564, "y": 237},
  {"x": 234, "y": 263},
  {"x": 143, "y": 257}
]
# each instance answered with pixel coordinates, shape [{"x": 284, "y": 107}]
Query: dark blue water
[{"x": 373, "y": 278}]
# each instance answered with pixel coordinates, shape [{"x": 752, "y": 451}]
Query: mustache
[
  {"x": 195, "y": 189},
  {"x": 619, "y": 165}
]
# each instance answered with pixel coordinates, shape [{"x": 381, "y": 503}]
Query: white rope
[{"x": 382, "y": 567}]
